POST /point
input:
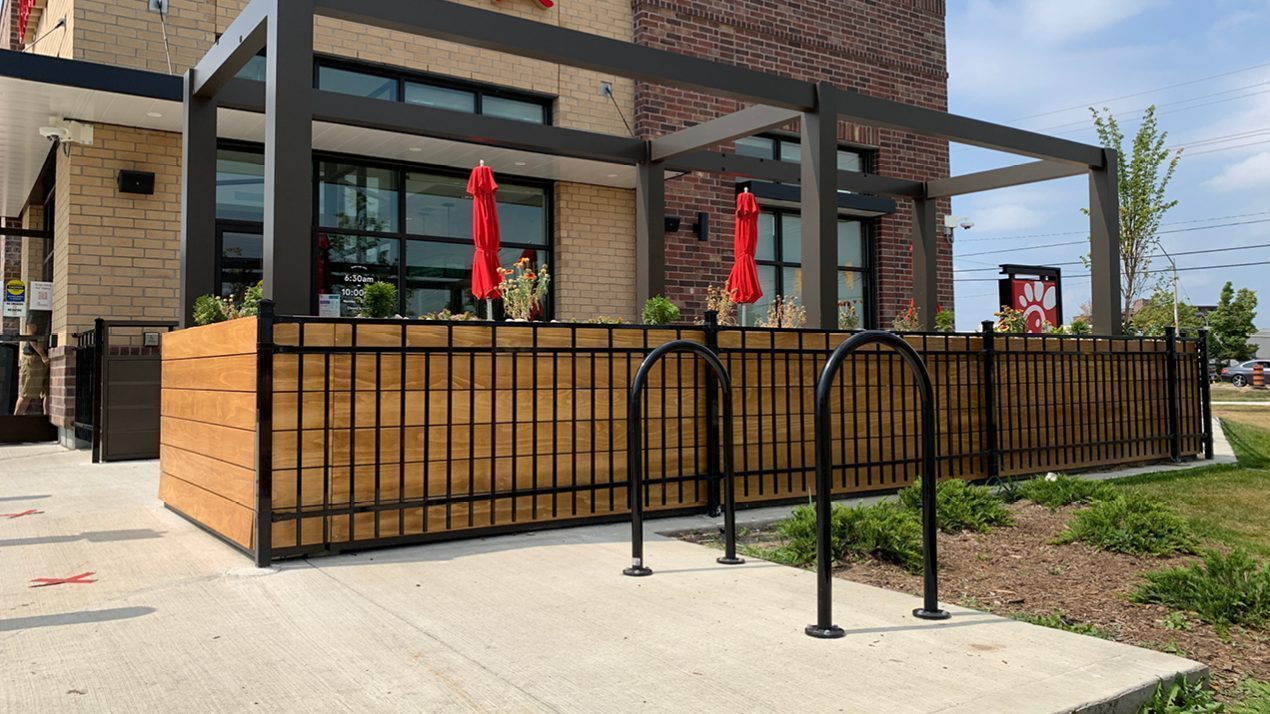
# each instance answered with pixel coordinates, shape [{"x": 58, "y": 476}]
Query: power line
[
  {"x": 1145, "y": 272},
  {"x": 1153, "y": 255},
  {"x": 1228, "y": 148},
  {"x": 1018, "y": 248},
  {"x": 1137, "y": 113},
  {"x": 1172, "y": 223},
  {"x": 1085, "y": 105}
]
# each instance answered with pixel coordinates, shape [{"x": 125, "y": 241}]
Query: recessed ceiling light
[
  {"x": 416, "y": 148},
  {"x": 154, "y": 115},
  {"x": 612, "y": 175},
  {"x": 520, "y": 163}
]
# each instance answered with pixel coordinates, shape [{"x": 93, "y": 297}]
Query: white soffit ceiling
[{"x": 25, "y": 106}]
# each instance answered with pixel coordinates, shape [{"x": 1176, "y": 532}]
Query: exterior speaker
[{"x": 136, "y": 182}]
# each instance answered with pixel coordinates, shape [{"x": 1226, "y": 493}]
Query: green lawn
[
  {"x": 1228, "y": 503},
  {"x": 1227, "y": 392}
]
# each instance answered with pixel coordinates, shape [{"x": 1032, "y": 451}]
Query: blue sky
[{"x": 1012, "y": 60}]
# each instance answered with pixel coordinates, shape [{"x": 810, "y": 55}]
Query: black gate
[{"x": 118, "y": 403}]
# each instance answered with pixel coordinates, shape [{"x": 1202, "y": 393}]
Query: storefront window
[
  {"x": 439, "y": 276},
  {"x": 361, "y": 84},
  {"x": 346, "y": 264},
  {"x": 779, "y": 258},
  {"x": 437, "y": 205},
  {"x": 431, "y": 95},
  {"x": 241, "y": 260},
  {"x": 505, "y": 108},
  {"x": 240, "y": 185},
  {"x": 356, "y": 196}
]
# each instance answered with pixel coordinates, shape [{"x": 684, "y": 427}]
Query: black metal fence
[{"x": 379, "y": 432}]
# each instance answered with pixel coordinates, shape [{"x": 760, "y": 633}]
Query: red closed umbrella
[
  {"x": 743, "y": 283},
  {"x": 485, "y": 278}
]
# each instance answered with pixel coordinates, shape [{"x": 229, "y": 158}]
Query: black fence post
[
  {"x": 1175, "y": 429},
  {"x": 264, "y": 436},
  {"x": 99, "y": 383},
  {"x": 1206, "y": 394},
  {"x": 712, "y": 418},
  {"x": 991, "y": 448}
]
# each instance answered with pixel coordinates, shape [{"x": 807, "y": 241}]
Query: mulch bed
[{"x": 1017, "y": 570}]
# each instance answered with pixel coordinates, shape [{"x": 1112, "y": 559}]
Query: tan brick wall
[
  {"x": 59, "y": 43},
  {"x": 117, "y": 255},
  {"x": 594, "y": 252},
  {"x": 124, "y": 32},
  {"x": 32, "y": 261}
]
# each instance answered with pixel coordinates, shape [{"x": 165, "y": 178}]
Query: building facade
[{"x": 392, "y": 207}]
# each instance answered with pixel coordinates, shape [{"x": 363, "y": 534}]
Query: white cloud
[
  {"x": 1008, "y": 218},
  {"x": 1056, "y": 23},
  {"x": 1250, "y": 173}
]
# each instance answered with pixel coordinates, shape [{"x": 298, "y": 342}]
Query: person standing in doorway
[{"x": 33, "y": 372}]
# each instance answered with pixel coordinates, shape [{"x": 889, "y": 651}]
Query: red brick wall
[{"x": 888, "y": 48}]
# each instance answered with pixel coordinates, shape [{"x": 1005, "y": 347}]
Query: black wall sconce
[{"x": 701, "y": 228}]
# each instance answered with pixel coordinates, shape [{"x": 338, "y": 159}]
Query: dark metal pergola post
[
  {"x": 1104, "y": 246},
  {"x": 288, "y": 239},
  {"x": 820, "y": 210},
  {"x": 650, "y": 232},
  {"x": 925, "y": 242},
  {"x": 198, "y": 200}
]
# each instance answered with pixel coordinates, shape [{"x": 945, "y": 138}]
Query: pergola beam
[
  {"x": 526, "y": 38},
  {"x": 1019, "y": 175},
  {"x": 745, "y": 122},
  {"x": 474, "y": 128},
  {"x": 819, "y": 199},
  {"x": 874, "y": 111},
  {"x": 790, "y": 172},
  {"x": 245, "y": 37}
]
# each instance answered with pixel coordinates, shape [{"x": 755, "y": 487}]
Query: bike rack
[
  {"x": 635, "y": 452},
  {"x": 824, "y": 627}
]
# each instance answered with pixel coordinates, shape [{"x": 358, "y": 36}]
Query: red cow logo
[{"x": 1038, "y": 299}]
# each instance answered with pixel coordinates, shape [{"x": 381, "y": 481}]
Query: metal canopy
[{"x": 291, "y": 104}]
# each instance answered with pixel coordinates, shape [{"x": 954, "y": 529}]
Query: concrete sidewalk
[{"x": 177, "y": 621}]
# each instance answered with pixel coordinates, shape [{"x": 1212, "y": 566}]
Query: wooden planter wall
[{"x": 383, "y": 432}]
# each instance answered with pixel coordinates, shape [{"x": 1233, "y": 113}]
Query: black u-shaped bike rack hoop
[
  {"x": 824, "y": 627},
  {"x": 635, "y": 453}
]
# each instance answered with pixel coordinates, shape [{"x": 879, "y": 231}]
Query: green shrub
[
  {"x": 208, "y": 309},
  {"x": 1256, "y": 698},
  {"x": 1057, "y": 620},
  {"x": 885, "y": 531},
  {"x": 1223, "y": 590},
  {"x": 1065, "y": 490},
  {"x": 379, "y": 300},
  {"x": 1181, "y": 697},
  {"x": 960, "y": 506},
  {"x": 1131, "y": 523},
  {"x": 660, "y": 311},
  {"x": 252, "y": 298}
]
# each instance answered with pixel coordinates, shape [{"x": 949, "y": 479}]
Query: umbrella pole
[
  {"x": 489, "y": 308},
  {"x": 743, "y": 308}
]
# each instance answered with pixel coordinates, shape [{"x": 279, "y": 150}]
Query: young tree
[
  {"x": 1231, "y": 324},
  {"x": 1157, "y": 314},
  {"x": 1143, "y": 175}
]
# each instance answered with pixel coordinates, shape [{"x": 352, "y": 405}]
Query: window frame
[
  {"x": 868, "y": 231},
  {"x": 400, "y": 168},
  {"x": 402, "y": 76},
  {"x": 867, "y": 155}
]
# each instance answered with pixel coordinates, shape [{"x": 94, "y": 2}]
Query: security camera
[
  {"x": 55, "y": 133},
  {"x": 967, "y": 224}
]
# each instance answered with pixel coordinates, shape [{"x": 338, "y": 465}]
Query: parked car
[{"x": 1240, "y": 375}]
